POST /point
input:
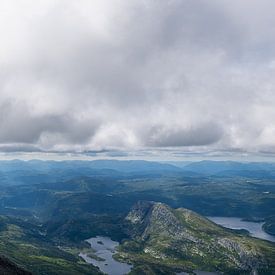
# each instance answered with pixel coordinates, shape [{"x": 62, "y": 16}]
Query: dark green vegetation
[
  {"x": 25, "y": 244},
  {"x": 269, "y": 225},
  {"x": 9, "y": 268},
  {"x": 49, "y": 208}
]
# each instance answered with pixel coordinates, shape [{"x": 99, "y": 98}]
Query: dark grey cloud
[
  {"x": 19, "y": 125},
  {"x": 200, "y": 135},
  {"x": 129, "y": 75},
  {"x": 15, "y": 148}
]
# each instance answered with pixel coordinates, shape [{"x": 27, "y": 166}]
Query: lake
[
  {"x": 254, "y": 228},
  {"x": 104, "y": 248}
]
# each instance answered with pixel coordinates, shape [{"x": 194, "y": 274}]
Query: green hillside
[{"x": 164, "y": 241}]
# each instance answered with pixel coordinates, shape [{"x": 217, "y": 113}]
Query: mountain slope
[
  {"x": 26, "y": 245},
  {"x": 9, "y": 268},
  {"x": 182, "y": 240}
]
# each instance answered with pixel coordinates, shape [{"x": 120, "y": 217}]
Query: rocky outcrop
[
  {"x": 152, "y": 218},
  {"x": 246, "y": 258},
  {"x": 177, "y": 234}
]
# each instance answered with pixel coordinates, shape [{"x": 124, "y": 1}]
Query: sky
[{"x": 140, "y": 78}]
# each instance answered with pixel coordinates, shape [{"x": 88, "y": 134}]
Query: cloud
[
  {"x": 206, "y": 134},
  {"x": 129, "y": 75},
  {"x": 19, "y": 125}
]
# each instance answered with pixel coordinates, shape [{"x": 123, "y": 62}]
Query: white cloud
[{"x": 130, "y": 75}]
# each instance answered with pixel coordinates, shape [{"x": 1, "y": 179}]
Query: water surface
[
  {"x": 105, "y": 248},
  {"x": 255, "y": 228}
]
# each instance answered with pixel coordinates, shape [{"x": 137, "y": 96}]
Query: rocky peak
[
  {"x": 157, "y": 218},
  {"x": 165, "y": 232},
  {"x": 139, "y": 212}
]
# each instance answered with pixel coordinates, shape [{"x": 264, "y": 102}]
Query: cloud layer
[{"x": 136, "y": 75}]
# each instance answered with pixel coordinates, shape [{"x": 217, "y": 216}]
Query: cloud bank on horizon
[{"x": 193, "y": 75}]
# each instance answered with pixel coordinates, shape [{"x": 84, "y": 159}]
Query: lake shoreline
[
  {"x": 255, "y": 228},
  {"x": 101, "y": 255}
]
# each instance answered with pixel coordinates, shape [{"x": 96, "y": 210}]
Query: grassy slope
[
  {"x": 22, "y": 243},
  {"x": 160, "y": 253}
]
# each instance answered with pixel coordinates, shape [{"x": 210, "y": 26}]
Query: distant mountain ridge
[
  {"x": 217, "y": 167},
  {"x": 18, "y": 172},
  {"x": 46, "y": 204},
  {"x": 119, "y": 165}
]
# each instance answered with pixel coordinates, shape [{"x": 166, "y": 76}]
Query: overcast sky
[{"x": 184, "y": 77}]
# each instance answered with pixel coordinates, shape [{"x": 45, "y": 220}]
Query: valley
[
  {"x": 48, "y": 210},
  {"x": 137, "y": 137}
]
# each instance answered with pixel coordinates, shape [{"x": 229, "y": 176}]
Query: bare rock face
[
  {"x": 139, "y": 211},
  {"x": 246, "y": 258},
  {"x": 155, "y": 217},
  {"x": 176, "y": 234}
]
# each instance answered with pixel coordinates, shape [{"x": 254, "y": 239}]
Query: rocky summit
[{"x": 167, "y": 241}]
